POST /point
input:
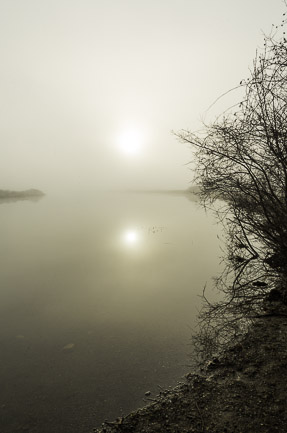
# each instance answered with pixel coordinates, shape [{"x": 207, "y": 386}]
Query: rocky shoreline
[{"x": 241, "y": 391}]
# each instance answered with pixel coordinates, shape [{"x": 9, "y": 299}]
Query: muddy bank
[{"x": 243, "y": 390}]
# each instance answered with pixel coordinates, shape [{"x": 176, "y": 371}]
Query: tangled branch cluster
[{"x": 241, "y": 160}]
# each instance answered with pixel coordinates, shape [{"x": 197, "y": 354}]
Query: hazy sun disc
[{"x": 130, "y": 141}]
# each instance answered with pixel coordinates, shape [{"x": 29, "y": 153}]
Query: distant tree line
[{"x": 20, "y": 194}]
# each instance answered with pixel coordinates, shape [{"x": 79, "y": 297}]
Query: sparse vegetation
[{"x": 241, "y": 159}]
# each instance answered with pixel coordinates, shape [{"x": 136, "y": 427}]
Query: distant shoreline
[
  {"x": 29, "y": 194},
  {"x": 191, "y": 193},
  {"x": 190, "y": 190}
]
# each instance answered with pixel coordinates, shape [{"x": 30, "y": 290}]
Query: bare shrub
[{"x": 241, "y": 160}]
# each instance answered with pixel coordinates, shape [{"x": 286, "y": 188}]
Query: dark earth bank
[{"x": 241, "y": 391}]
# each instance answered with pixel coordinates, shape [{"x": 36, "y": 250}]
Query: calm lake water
[{"x": 98, "y": 295}]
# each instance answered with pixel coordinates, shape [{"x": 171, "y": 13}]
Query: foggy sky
[{"x": 74, "y": 73}]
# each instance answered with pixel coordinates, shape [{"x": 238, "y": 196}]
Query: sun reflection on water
[
  {"x": 134, "y": 236},
  {"x": 141, "y": 237},
  {"x": 131, "y": 237}
]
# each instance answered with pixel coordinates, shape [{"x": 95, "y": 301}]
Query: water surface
[{"x": 98, "y": 295}]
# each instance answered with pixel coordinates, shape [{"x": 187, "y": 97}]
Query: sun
[{"x": 130, "y": 141}]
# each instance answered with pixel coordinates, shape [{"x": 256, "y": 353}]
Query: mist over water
[
  {"x": 98, "y": 297},
  {"x": 99, "y": 291}
]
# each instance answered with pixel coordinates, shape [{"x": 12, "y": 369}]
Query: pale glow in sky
[
  {"x": 71, "y": 70},
  {"x": 131, "y": 141}
]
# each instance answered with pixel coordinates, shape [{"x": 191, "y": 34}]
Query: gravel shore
[{"x": 243, "y": 390}]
